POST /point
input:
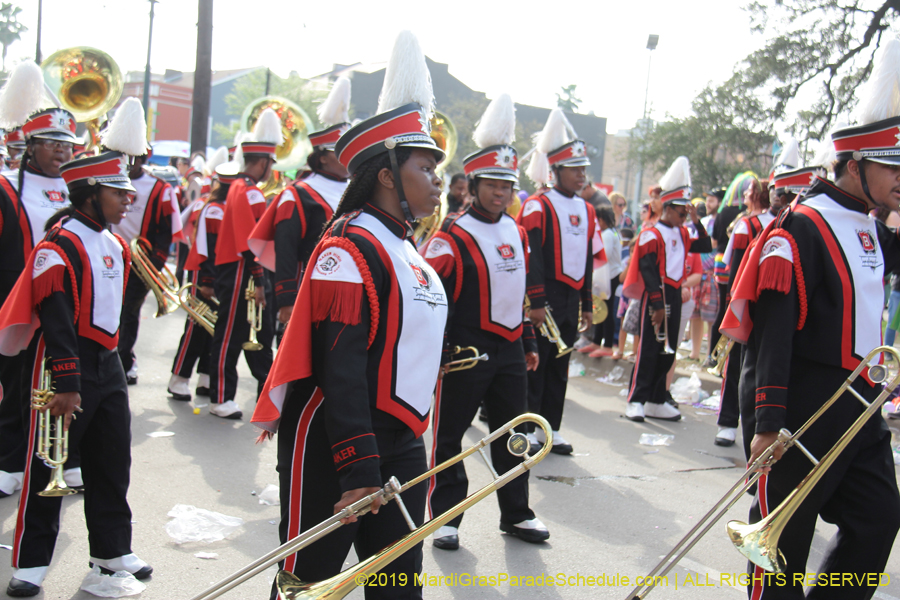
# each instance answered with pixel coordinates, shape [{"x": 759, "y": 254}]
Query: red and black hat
[
  {"x": 676, "y": 183},
  {"x": 878, "y": 142},
  {"x": 109, "y": 169},
  {"x": 267, "y": 135},
  {"x": 15, "y": 139},
  {"x": 327, "y": 138},
  {"x": 407, "y": 126},
  {"x": 797, "y": 181},
  {"x": 571, "y": 154},
  {"x": 495, "y": 162},
  {"x": 51, "y": 124},
  {"x": 226, "y": 173}
]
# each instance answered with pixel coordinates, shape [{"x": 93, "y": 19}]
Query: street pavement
[{"x": 613, "y": 508}]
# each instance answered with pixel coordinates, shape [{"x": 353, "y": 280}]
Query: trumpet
[
  {"x": 662, "y": 333},
  {"x": 343, "y": 583},
  {"x": 462, "y": 364},
  {"x": 202, "y": 313},
  {"x": 719, "y": 355},
  {"x": 549, "y": 329},
  {"x": 254, "y": 317},
  {"x": 759, "y": 541},
  {"x": 53, "y": 440}
]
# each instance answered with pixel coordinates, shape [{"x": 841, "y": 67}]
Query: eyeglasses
[
  {"x": 55, "y": 144},
  {"x": 620, "y": 205}
]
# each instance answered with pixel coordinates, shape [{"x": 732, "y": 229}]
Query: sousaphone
[{"x": 292, "y": 152}]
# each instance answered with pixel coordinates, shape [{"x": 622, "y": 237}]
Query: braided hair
[
  {"x": 23, "y": 164},
  {"x": 77, "y": 198},
  {"x": 363, "y": 182}
]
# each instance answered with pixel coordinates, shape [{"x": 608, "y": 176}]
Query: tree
[
  {"x": 10, "y": 28},
  {"x": 568, "y": 101}
]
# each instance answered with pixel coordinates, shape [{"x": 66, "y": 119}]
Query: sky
[{"x": 527, "y": 48}]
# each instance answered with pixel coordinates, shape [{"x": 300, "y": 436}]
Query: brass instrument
[
  {"x": 719, "y": 355},
  {"x": 52, "y": 439},
  {"x": 87, "y": 82},
  {"x": 202, "y": 313},
  {"x": 759, "y": 541},
  {"x": 292, "y": 152},
  {"x": 254, "y": 317},
  {"x": 549, "y": 329},
  {"x": 163, "y": 284},
  {"x": 462, "y": 364},
  {"x": 599, "y": 309},
  {"x": 342, "y": 584},
  {"x": 443, "y": 132},
  {"x": 662, "y": 333}
]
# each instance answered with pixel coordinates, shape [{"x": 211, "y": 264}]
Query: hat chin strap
[
  {"x": 100, "y": 218},
  {"x": 865, "y": 184},
  {"x": 395, "y": 169}
]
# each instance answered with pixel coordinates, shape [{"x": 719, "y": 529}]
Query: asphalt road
[{"x": 613, "y": 509}]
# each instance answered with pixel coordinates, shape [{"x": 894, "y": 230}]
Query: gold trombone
[
  {"x": 254, "y": 317},
  {"x": 343, "y": 583},
  {"x": 53, "y": 439},
  {"x": 462, "y": 364},
  {"x": 202, "y": 312},
  {"x": 719, "y": 355},
  {"x": 759, "y": 541},
  {"x": 162, "y": 283},
  {"x": 549, "y": 329}
]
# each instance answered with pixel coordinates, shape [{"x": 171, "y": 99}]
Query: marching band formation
[{"x": 399, "y": 313}]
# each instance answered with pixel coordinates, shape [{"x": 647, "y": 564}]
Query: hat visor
[
  {"x": 57, "y": 136},
  {"x": 884, "y": 160},
  {"x": 439, "y": 154},
  {"x": 677, "y": 202},
  {"x": 574, "y": 162},
  {"x": 498, "y": 176},
  {"x": 119, "y": 184}
]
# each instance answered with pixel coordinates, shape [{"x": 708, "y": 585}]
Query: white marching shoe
[
  {"x": 725, "y": 436},
  {"x": 227, "y": 410},
  {"x": 664, "y": 412},
  {"x": 10, "y": 483},
  {"x": 634, "y": 411},
  {"x": 179, "y": 388},
  {"x": 73, "y": 478},
  {"x": 129, "y": 562},
  {"x": 532, "y": 531},
  {"x": 446, "y": 538}
]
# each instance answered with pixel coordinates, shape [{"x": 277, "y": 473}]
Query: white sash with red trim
[
  {"x": 42, "y": 198},
  {"x": 572, "y": 216}
]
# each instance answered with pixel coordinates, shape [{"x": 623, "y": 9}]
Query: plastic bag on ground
[
  {"x": 192, "y": 524},
  {"x": 686, "y": 389},
  {"x": 576, "y": 369},
  {"x": 656, "y": 439},
  {"x": 117, "y": 585},
  {"x": 270, "y": 496}
]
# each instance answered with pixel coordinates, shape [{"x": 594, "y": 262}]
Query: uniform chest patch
[
  {"x": 869, "y": 258},
  {"x": 506, "y": 251},
  {"x": 423, "y": 290},
  {"x": 55, "y": 195}
]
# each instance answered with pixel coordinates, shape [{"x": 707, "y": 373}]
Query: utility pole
[
  {"x": 202, "y": 79},
  {"x": 146, "y": 99},
  {"x": 268, "y": 80},
  {"x": 652, "y": 42},
  {"x": 37, "y": 50}
]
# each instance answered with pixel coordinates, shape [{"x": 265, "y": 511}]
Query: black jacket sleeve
[
  {"x": 703, "y": 243},
  {"x": 534, "y": 280},
  {"x": 289, "y": 234},
  {"x": 648, "y": 264},
  {"x": 57, "y": 314}
]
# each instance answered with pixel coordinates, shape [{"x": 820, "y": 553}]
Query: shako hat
[
  {"x": 266, "y": 136},
  {"x": 494, "y": 134},
  {"x": 334, "y": 114},
  {"x": 109, "y": 168},
  {"x": 676, "y": 183},
  {"x": 24, "y": 105}
]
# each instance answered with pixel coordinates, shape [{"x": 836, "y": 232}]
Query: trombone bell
[{"x": 757, "y": 544}]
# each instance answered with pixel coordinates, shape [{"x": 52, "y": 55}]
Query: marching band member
[
  {"x": 655, "y": 274},
  {"x": 481, "y": 256},
  {"x": 193, "y": 348},
  {"x": 154, "y": 215},
  {"x": 235, "y": 265},
  {"x": 560, "y": 227},
  {"x": 289, "y": 230},
  {"x": 363, "y": 350},
  {"x": 71, "y": 295},
  {"x": 28, "y": 197},
  {"x": 15, "y": 147},
  {"x": 813, "y": 286}
]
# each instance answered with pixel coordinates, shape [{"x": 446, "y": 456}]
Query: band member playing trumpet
[
  {"x": 481, "y": 256},
  {"x": 154, "y": 215},
  {"x": 363, "y": 347},
  {"x": 236, "y": 265},
  {"x": 65, "y": 308},
  {"x": 286, "y": 235},
  {"x": 655, "y": 275},
  {"x": 561, "y": 231},
  {"x": 28, "y": 197},
  {"x": 813, "y": 287}
]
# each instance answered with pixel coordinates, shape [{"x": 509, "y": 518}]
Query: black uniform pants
[
  {"x": 501, "y": 384},
  {"x": 310, "y": 489},
  {"x": 14, "y": 407},
  {"x": 858, "y": 493},
  {"x": 720, "y": 315},
  {"x": 605, "y": 332},
  {"x": 233, "y": 329},
  {"x": 194, "y": 346},
  {"x": 547, "y": 385},
  {"x": 102, "y": 434},
  {"x": 133, "y": 300},
  {"x": 729, "y": 403},
  {"x": 648, "y": 380}
]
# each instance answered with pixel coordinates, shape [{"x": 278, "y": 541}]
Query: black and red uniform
[
  {"x": 235, "y": 265},
  {"x": 22, "y": 219},
  {"x": 655, "y": 274},
  {"x": 808, "y": 304},
  {"x": 195, "y": 343},
  {"x": 155, "y": 216},
  {"x": 560, "y": 231},
  {"x": 290, "y": 229},
  {"x": 65, "y": 309},
  {"x": 362, "y": 352},
  {"x": 482, "y": 263},
  {"x": 744, "y": 233}
]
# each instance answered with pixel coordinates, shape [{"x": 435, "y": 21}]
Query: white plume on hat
[
  {"x": 556, "y": 132},
  {"x": 127, "y": 131},
  {"x": 827, "y": 155},
  {"x": 880, "y": 98},
  {"x": 498, "y": 123},
  {"x": 539, "y": 168},
  {"x": 268, "y": 128},
  {"x": 198, "y": 164},
  {"x": 22, "y": 95},
  {"x": 789, "y": 157},
  {"x": 406, "y": 78},
  {"x": 336, "y": 107},
  {"x": 678, "y": 175},
  {"x": 219, "y": 157}
]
